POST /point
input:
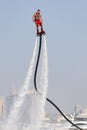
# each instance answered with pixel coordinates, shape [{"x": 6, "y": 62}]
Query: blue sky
[{"x": 65, "y": 23}]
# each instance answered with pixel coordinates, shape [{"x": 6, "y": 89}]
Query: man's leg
[
  {"x": 41, "y": 27},
  {"x": 42, "y": 31},
  {"x": 37, "y": 28}
]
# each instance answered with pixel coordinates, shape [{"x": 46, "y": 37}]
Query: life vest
[{"x": 37, "y": 16}]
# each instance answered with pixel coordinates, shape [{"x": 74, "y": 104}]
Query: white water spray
[
  {"x": 14, "y": 113},
  {"x": 38, "y": 101},
  {"x": 33, "y": 104},
  {"x": 44, "y": 74},
  {"x": 42, "y": 89}
]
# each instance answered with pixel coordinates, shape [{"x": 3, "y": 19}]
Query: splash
[
  {"x": 28, "y": 110},
  {"x": 15, "y": 110},
  {"x": 44, "y": 75}
]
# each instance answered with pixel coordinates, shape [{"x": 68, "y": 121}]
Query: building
[
  {"x": 78, "y": 109},
  {"x": 1, "y": 107}
]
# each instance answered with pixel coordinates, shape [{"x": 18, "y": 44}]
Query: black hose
[
  {"x": 36, "y": 68},
  {"x": 35, "y": 85},
  {"x": 63, "y": 114}
]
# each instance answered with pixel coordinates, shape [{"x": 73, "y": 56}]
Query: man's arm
[{"x": 33, "y": 17}]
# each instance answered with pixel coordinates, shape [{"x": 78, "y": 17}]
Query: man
[{"x": 37, "y": 18}]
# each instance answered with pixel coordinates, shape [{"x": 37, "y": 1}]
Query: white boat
[
  {"x": 81, "y": 121},
  {"x": 80, "y": 124}
]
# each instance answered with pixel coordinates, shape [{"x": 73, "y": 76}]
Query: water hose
[{"x": 35, "y": 85}]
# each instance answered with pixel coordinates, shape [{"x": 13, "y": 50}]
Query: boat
[{"x": 81, "y": 121}]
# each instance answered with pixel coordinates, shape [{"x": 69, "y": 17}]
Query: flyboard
[{"x": 41, "y": 33}]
